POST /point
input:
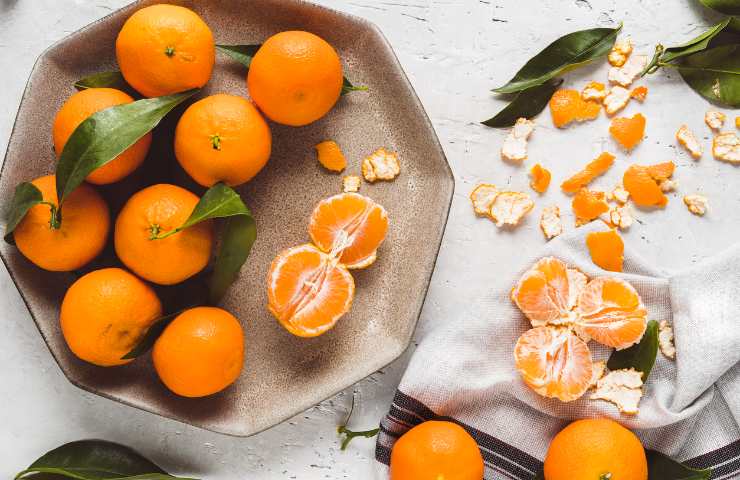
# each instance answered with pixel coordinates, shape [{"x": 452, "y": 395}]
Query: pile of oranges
[{"x": 295, "y": 78}]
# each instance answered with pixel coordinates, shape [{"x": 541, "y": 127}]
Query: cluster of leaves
[
  {"x": 535, "y": 82},
  {"x": 710, "y": 62},
  {"x": 94, "y": 460}
]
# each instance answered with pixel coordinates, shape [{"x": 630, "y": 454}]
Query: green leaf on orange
[
  {"x": 146, "y": 342},
  {"x": 26, "y": 196},
  {"x": 662, "y": 467}
]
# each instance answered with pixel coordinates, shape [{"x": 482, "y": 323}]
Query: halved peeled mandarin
[
  {"x": 611, "y": 312},
  {"x": 592, "y": 170},
  {"x": 548, "y": 291},
  {"x": 643, "y": 183},
  {"x": 308, "y": 290},
  {"x": 554, "y": 362},
  {"x": 568, "y": 106},
  {"x": 350, "y": 226}
]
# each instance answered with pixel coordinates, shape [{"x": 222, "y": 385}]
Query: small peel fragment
[
  {"x": 509, "y": 208},
  {"x": 351, "y": 184},
  {"x": 599, "y": 369},
  {"x": 482, "y": 198},
  {"x": 380, "y": 165},
  {"x": 577, "y": 281},
  {"x": 619, "y": 195},
  {"x": 715, "y": 120},
  {"x": 594, "y": 91},
  {"x": 623, "y": 388},
  {"x": 687, "y": 138},
  {"x": 621, "y": 217},
  {"x": 697, "y": 204},
  {"x": 627, "y": 73},
  {"x": 540, "y": 178},
  {"x": 619, "y": 52},
  {"x": 331, "y": 156},
  {"x": 550, "y": 222},
  {"x": 726, "y": 146},
  {"x": 737, "y": 122},
  {"x": 639, "y": 93},
  {"x": 593, "y": 169},
  {"x": 667, "y": 185},
  {"x": 514, "y": 148},
  {"x": 616, "y": 100},
  {"x": 665, "y": 339}
]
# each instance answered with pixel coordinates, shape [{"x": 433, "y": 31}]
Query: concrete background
[{"x": 454, "y": 52}]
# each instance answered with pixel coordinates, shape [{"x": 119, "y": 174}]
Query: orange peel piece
[
  {"x": 687, "y": 138},
  {"x": 697, "y": 204},
  {"x": 594, "y": 91},
  {"x": 665, "y": 339},
  {"x": 623, "y": 388},
  {"x": 606, "y": 250},
  {"x": 726, "y": 147},
  {"x": 616, "y": 100},
  {"x": 550, "y": 222},
  {"x": 621, "y": 217},
  {"x": 610, "y": 311},
  {"x": 639, "y": 93},
  {"x": 619, "y": 195},
  {"x": 482, "y": 198},
  {"x": 351, "y": 184},
  {"x": 628, "y": 132},
  {"x": 381, "y": 165},
  {"x": 508, "y": 208},
  {"x": 540, "y": 178},
  {"x": 331, "y": 156},
  {"x": 715, "y": 120},
  {"x": 554, "y": 362},
  {"x": 620, "y": 52},
  {"x": 588, "y": 205},
  {"x": 628, "y": 73},
  {"x": 592, "y": 170},
  {"x": 643, "y": 183},
  {"x": 567, "y": 106},
  {"x": 514, "y": 148}
]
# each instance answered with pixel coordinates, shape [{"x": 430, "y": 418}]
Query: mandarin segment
[
  {"x": 606, "y": 250},
  {"x": 588, "y": 205},
  {"x": 350, "y": 226},
  {"x": 567, "y": 106},
  {"x": 540, "y": 178},
  {"x": 595, "y": 168},
  {"x": 331, "y": 156},
  {"x": 628, "y": 132},
  {"x": 554, "y": 362},
  {"x": 611, "y": 312},
  {"x": 643, "y": 183},
  {"x": 308, "y": 291}
]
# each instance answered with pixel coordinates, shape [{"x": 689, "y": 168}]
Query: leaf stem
[
  {"x": 56, "y": 215},
  {"x": 349, "y": 434},
  {"x": 654, "y": 64},
  {"x": 158, "y": 235}
]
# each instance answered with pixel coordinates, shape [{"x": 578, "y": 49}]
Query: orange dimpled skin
[
  {"x": 436, "y": 450},
  {"x": 308, "y": 291},
  {"x": 628, "y": 132},
  {"x": 105, "y": 313},
  {"x": 595, "y": 449},
  {"x": 165, "y": 49},
  {"x": 642, "y": 183},
  {"x": 594, "y": 169},
  {"x": 295, "y": 78},
  {"x": 79, "y": 238},
  {"x": 222, "y": 138},
  {"x": 567, "y": 106},
  {"x": 606, "y": 249},
  {"x": 200, "y": 353},
  {"x": 159, "y": 209},
  {"x": 77, "y": 109},
  {"x": 351, "y": 225}
]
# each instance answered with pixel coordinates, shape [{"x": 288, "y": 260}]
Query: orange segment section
[
  {"x": 540, "y": 178},
  {"x": 543, "y": 292},
  {"x": 606, "y": 249},
  {"x": 350, "y": 226},
  {"x": 554, "y": 362},
  {"x": 567, "y": 106},
  {"x": 588, "y": 205},
  {"x": 643, "y": 183},
  {"x": 594, "y": 169},
  {"x": 628, "y": 132},
  {"x": 308, "y": 290},
  {"x": 331, "y": 156},
  {"x": 611, "y": 312}
]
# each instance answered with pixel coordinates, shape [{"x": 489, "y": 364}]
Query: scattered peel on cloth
[
  {"x": 599, "y": 370},
  {"x": 623, "y": 388},
  {"x": 567, "y": 106},
  {"x": 550, "y": 222},
  {"x": 726, "y": 147},
  {"x": 665, "y": 339},
  {"x": 606, "y": 250},
  {"x": 715, "y": 120},
  {"x": 508, "y": 208},
  {"x": 351, "y": 184},
  {"x": 697, "y": 204},
  {"x": 593, "y": 169},
  {"x": 689, "y": 141},
  {"x": 514, "y": 148},
  {"x": 540, "y": 178},
  {"x": 628, "y": 73},
  {"x": 381, "y": 165},
  {"x": 620, "y": 51},
  {"x": 628, "y": 132}
]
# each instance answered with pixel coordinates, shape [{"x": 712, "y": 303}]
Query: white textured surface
[{"x": 454, "y": 51}]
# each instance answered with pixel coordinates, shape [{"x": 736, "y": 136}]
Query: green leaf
[
  {"x": 25, "y": 197},
  {"x": 103, "y": 80},
  {"x": 728, "y": 7},
  {"x": 694, "y": 45},
  {"x": 641, "y": 357},
  {"x": 95, "y": 460},
  {"x": 244, "y": 54},
  {"x": 661, "y": 467},
  {"x": 714, "y": 74},
  {"x": 241, "y": 53},
  {"x": 565, "y": 53},
  {"x": 146, "y": 342},
  {"x": 238, "y": 235},
  {"x": 527, "y": 103},
  {"x": 104, "y": 135}
]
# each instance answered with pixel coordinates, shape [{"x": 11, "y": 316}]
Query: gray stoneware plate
[{"x": 283, "y": 375}]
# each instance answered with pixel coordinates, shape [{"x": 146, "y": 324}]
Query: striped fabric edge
[{"x": 406, "y": 412}]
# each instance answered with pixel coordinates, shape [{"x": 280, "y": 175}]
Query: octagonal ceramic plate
[{"x": 283, "y": 375}]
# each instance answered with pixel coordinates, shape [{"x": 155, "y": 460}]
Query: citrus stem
[
  {"x": 157, "y": 233},
  {"x": 169, "y": 51},
  {"x": 361, "y": 88},
  {"x": 655, "y": 63},
  {"x": 605, "y": 476},
  {"x": 56, "y": 218},
  {"x": 349, "y": 434},
  {"x": 216, "y": 142}
]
